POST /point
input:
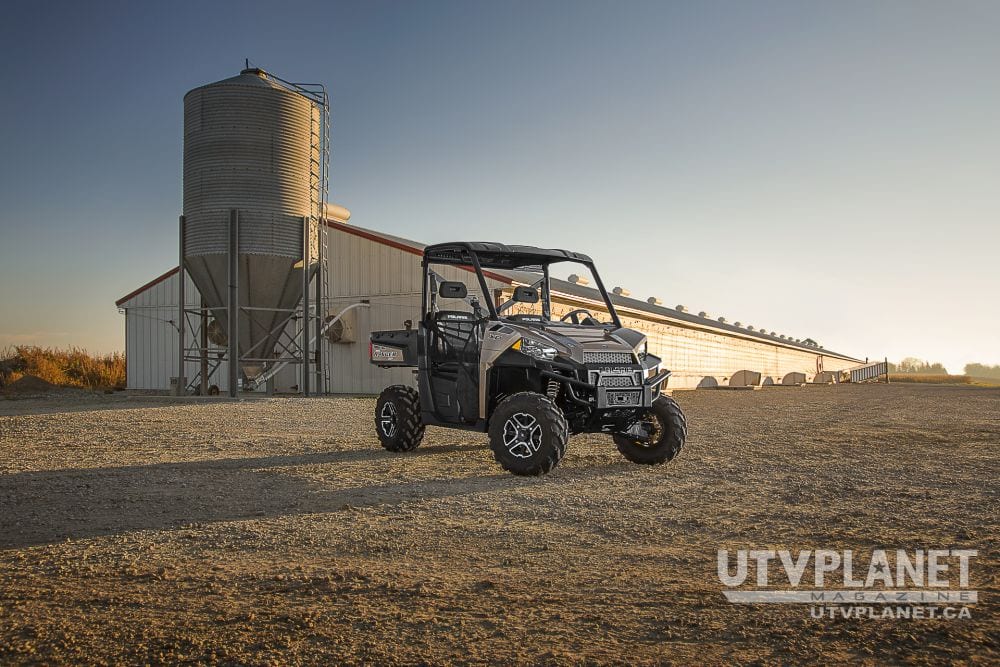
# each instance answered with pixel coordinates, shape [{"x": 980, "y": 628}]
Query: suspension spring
[{"x": 553, "y": 389}]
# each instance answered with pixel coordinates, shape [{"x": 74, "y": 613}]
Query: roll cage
[{"x": 480, "y": 257}]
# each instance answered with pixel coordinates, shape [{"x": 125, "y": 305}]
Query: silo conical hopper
[{"x": 249, "y": 144}]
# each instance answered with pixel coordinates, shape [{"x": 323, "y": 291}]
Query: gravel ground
[{"x": 138, "y": 529}]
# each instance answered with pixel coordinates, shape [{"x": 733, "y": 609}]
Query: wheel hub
[
  {"x": 522, "y": 435},
  {"x": 387, "y": 420}
]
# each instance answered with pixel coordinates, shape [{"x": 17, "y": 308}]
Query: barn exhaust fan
[
  {"x": 343, "y": 330},
  {"x": 217, "y": 334}
]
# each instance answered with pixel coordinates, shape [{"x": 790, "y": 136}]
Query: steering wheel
[{"x": 574, "y": 315}]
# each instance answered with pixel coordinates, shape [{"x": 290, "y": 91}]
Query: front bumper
[
  {"x": 609, "y": 398},
  {"x": 600, "y": 397}
]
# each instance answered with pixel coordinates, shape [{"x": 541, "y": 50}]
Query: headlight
[
  {"x": 643, "y": 350},
  {"x": 534, "y": 348}
]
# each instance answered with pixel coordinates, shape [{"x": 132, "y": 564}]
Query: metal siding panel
[{"x": 391, "y": 279}]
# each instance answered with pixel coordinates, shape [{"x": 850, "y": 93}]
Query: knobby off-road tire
[
  {"x": 528, "y": 434},
  {"x": 667, "y": 441},
  {"x": 397, "y": 418}
]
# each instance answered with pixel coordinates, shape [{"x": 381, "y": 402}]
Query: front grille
[
  {"x": 624, "y": 398},
  {"x": 608, "y": 358},
  {"x": 617, "y": 381}
]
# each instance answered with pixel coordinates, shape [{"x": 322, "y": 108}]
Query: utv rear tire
[
  {"x": 397, "y": 418},
  {"x": 669, "y": 440},
  {"x": 528, "y": 434}
]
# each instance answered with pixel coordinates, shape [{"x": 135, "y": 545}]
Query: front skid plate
[{"x": 635, "y": 397}]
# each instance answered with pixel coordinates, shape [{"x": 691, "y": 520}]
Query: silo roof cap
[{"x": 253, "y": 77}]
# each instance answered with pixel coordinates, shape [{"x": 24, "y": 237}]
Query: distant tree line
[
  {"x": 919, "y": 366},
  {"x": 914, "y": 365},
  {"x": 983, "y": 371}
]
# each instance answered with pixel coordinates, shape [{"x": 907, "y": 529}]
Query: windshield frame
[
  {"x": 546, "y": 290},
  {"x": 467, "y": 255}
]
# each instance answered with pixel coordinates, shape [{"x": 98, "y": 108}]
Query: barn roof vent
[
  {"x": 722, "y": 320},
  {"x": 681, "y": 308},
  {"x": 621, "y": 291},
  {"x": 703, "y": 314},
  {"x": 737, "y": 324},
  {"x": 578, "y": 280},
  {"x": 653, "y": 300},
  {"x": 749, "y": 327}
]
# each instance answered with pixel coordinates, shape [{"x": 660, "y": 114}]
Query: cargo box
[{"x": 393, "y": 348}]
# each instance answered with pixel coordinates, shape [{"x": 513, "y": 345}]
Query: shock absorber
[{"x": 553, "y": 389}]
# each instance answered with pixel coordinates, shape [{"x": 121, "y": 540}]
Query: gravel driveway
[{"x": 146, "y": 529}]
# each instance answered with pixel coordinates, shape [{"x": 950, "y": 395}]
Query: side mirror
[
  {"x": 525, "y": 295},
  {"x": 452, "y": 289}
]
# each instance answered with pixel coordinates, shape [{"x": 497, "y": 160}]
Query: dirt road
[{"x": 277, "y": 530}]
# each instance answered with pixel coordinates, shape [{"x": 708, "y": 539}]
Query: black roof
[{"x": 498, "y": 255}]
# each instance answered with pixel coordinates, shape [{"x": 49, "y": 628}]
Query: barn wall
[
  {"x": 698, "y": 356},
  {"x": 151, "y": 336},
  {"x": 389, "y": 278}
]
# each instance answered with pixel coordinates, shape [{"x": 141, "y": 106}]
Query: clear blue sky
[{"x": 821, "y": 169}]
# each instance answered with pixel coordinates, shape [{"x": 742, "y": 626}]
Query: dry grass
[
  {"x": 929, "y": 378},
  {"x": 933, "y": 378},
  {"x": 73, "y": 367}
]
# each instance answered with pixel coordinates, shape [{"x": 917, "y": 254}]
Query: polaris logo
[{"x": 385, "y": 353}]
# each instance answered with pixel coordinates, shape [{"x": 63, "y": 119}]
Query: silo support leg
[
  {"x": 181, "y": 328},
  {"x": 203, "y": 344},
  {"x": 234, "y": 303},
  {"x": 305, "y": 305},
  {"x": 320, "y": 316}
]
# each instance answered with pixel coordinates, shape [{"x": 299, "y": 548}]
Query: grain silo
[{"x": 255, "y": 182}]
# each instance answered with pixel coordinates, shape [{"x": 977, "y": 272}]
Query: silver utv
[{"x": 512, "y": 369}]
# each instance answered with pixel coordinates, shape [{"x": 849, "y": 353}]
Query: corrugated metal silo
[{"x": 250, "y": 145}]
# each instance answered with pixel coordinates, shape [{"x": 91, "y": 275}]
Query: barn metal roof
[{"x": 574, "y": 289}]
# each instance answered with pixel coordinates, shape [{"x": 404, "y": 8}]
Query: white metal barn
[{"x": 384, "y": 271}]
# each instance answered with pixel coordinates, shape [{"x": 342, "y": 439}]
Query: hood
[{"x": 571, "y": 340}]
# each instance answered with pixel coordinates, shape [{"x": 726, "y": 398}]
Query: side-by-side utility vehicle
[{"x": 513, "y": 370}]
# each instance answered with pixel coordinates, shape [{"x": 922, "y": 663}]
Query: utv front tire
[
  {"x": 397, "y": 418},
  {"x": 528, "y": 434},
  {"x": 670, "y": 432}
]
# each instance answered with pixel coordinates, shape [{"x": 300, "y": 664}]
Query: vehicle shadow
[
  {"x": 66, "y": 400},
  {"x": 42, "y": 507}
]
